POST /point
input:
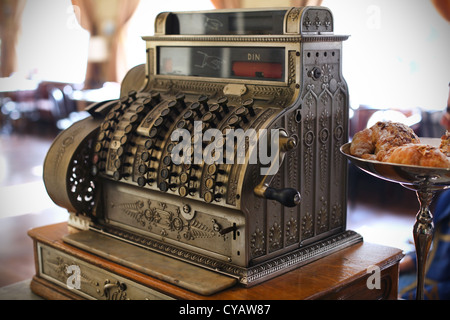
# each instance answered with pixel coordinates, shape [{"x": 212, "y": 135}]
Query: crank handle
[{"x": 289, "y": 197}]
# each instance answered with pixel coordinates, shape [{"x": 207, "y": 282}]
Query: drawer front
[{"x": 88, "y": 280}]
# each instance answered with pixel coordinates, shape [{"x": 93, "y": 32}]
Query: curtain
[
  {"x": 304, "y": 3},
  {"x": 228, "y": 4},
  {"x": 117, "y": 68},
  {"x": 443, "y": 7},
  {"x": 91, "y": 16},
  {"x": 85, "y": 14},
  {"x": 10, "y": 20}
]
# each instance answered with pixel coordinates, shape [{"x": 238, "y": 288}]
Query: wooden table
[{"x": 341, "y": 275}]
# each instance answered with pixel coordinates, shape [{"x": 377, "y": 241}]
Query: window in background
[
  {"x": 52, "y": 45},
  {"x": 397, "y": 54}
]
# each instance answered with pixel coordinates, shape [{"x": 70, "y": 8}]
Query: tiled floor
[{"x": 380, "y": 212}]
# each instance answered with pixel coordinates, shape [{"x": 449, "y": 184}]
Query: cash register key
[
  {"x": 180, "y": 97},
  {"x": 167, "y": 115},
  {"x": 148, "y": 102},
  {"x": 119, "y": 163},
  {"x": 209, "y": 183},
  {"x": 182, "y": 124},
  {"x": 125, "y": 139},
  {"x": 212, "y": 169},
  {"x": 209, "y": 119},
  {"x": 118, "y": 175},
  {"x": 124, "y": 102},
  {"x": 117, "y": 109},
  {"x": 170, "y": 147},
  {"x": 181, "y": 100},
  {"x": 149, "y": 144},
  {"x": 249, "y": 105},
  {"x": 141, "y": 181},
  {"x": 142, "y": 169},
  {"x": 160, "y": 123},
  {"x": 167, "y": 160},
  {"x": 154, "y": 133},
  {"x": 208, "y": 197},
  {"x": 173, "y": 107},
  {"x": 234, "y": 121},
  {"x": 113, "y": 116},
  {"x": 184, "y": 177},
  {"x": 203, "y": 100},
  {"x": 226, "y": 129},
  {"x": 196, "y": 107},
  {"x": 188, "y": 116},
  {"x": 164, "y": 186},
  {"x": 122, "y": 152},
  {"x": 106, "y": 125},
  {"x": 164, "y": 173},
  {"x": 156, "y": 97},
  {"x": 216, "y": 109},
  {"x": 183, "y": 191},
  {"x": 98, "y": 147},
  {"x": 141, "y": 109},
  {"x": 132, "y": 94},
  {"x": 145, "y": 156},
  {"x": 128, "y": 129},
  {"x": 134, "y": 118},
  {"x": 242, "y": 113},
  {"x": 223, "y": 101}
]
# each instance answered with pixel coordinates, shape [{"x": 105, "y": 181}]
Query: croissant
[
  {"x": 417, "y": 155},
  {"x": 445, "y": 144},
  {"x": 373, "y": 143},
  {"x": 397, "y": 143}
]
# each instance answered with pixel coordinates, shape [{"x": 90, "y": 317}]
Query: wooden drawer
[{"x": 87, "y": 280}]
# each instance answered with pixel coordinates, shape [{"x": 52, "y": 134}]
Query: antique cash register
[{"x": 221, "y": 156}]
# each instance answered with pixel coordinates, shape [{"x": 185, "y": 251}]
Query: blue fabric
[{"x": 437, "y": 278}]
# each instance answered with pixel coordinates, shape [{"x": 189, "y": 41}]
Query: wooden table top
[{"x": 311, "y": 281}]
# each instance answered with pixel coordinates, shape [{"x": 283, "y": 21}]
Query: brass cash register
[{"x": 160, "y": 171}]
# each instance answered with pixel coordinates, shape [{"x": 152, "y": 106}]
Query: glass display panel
[
  {"x": 233, "y": 23},
  {"x": 223, "y": 62}
]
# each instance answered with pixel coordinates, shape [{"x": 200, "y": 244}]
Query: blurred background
[{"x": 58, "y": 56}]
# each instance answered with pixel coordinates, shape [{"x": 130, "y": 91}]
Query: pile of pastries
[{"x": 397, "y": 143}]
